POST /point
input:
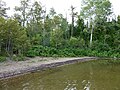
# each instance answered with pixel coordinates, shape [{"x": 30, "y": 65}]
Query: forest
[{"x": 31, "y": 31}]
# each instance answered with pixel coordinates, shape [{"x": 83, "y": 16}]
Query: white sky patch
[
  {"x": 116, "y": 6},
  {"x": 60, "y": 6}
]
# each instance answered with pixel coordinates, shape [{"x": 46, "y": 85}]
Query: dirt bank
[{"x": 13, "y": 68}]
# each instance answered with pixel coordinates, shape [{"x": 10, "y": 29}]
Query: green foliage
[
  {"x": 69, "y": 52},
  {"x": 92, "y": 12},
  {"x": 56, "y": 38},
  {"x": 32, "y": 32},
  {"x": 21, "y": 12},
  {"x": 2, "y": 58},
  {"x": 100, "y": 46},
  {"x": 74, "y": 42},
  {"x": 18, "y": 57},
  {"x": 12, "y": 36},
  {"x": 3, "y": 8},
  {"x": 92, "y": 9}
]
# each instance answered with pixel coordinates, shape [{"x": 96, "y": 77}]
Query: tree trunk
[
  {"x": 91, "y": 36},
  {"x": 0, "y": 47},
  {"x": 72, "y": 27}
]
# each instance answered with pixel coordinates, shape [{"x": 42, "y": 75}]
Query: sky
[{"x": 61, "y": 6}]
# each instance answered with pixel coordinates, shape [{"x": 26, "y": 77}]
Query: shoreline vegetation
[
  {"x": 31, "y": 32},
  {"x": 45, "y": 51}
]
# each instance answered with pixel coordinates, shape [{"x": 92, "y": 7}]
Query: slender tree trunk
[
  {"x": 73, "y": 15},
  {"x": 72, "y": 27},
  {"x": 44, "y": 31},
  {"x": 0, "y": 47},
  {"x": 9, "y": 46},
  {"x": 91, "y": 36},
  {"x": 24, "y": 16}
]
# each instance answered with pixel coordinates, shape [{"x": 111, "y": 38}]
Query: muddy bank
[{"x": 12, "y": 68}]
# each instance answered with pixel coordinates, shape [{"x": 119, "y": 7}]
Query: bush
[
  {"x": 21, "y": 57},
  {"x": 18, "y": 57},
  {"x": 74, "y": 42},
  {"x": 30, "y": 53},
  {"x": 2, "y": 59},
  {"x": 100, "y": 46},
  {"x": 68, "y": 52}
]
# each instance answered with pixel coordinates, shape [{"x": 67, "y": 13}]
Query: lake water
[{"x": 92, "y": 75}]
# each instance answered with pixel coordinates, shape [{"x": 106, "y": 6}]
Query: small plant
[
  {"x": 2, "y": 58},
  {"x": 21, "y": 57},
  {"x": 18, "y": 57},
  {"x": 31, "y": 53}
]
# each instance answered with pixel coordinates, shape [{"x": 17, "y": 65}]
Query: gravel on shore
[{"x": 14, "y": 68}]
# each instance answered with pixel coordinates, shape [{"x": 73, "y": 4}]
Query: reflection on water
[
  {"x": 93, "y": 75},
  {"x": 71, "y": 85},
  {"x": 86, "y": 85}
]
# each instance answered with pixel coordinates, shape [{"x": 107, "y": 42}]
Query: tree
[
  {"x": 56, "y": 26},
  {"x": 81, "y": 31},
  {"x": 1, "y": 33},
  {"x": 3, "y": 9},
  {"x": 64, "y": 27},
  {"x": 117, "y": 34},
  {"x": 79, "y": 27},
  {"x": 35, "y": 23},
  {"x": 73, "y": 14},
  {"x": 36, "y": 11},
  {"x": 52, "y": 12},
  {"x": 56, "y": 37},
  {"x": 13, "y": 37},
  {"x": 93, "y": 10},
  {"x": 22, "y": 16}
]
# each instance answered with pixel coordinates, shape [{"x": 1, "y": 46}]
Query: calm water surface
[{"x": 92, "y": 75}]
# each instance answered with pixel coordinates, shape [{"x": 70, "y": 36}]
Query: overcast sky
[{"x": 61, "y": 6}]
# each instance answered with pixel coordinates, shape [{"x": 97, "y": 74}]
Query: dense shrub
[{"x": 68, "y": 52}]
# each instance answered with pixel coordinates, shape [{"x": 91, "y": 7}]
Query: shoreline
[{"x": 16, "y": 68}]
